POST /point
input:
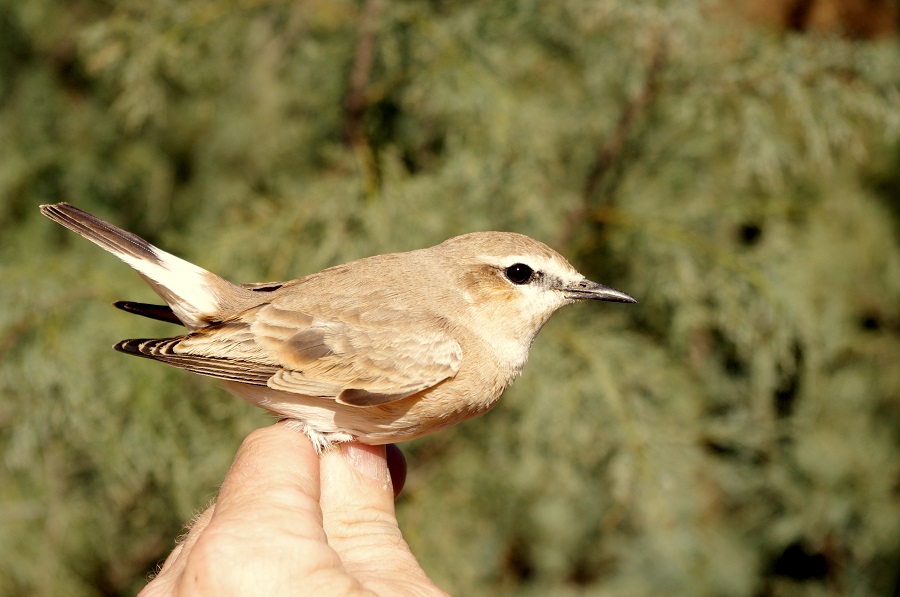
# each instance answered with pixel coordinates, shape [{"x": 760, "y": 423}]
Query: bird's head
[{"x": 513, "y": 283}]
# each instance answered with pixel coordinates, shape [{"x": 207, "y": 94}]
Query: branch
[
  {"x": 356, "y": 102},
  {"x": 612, "y": 148}
]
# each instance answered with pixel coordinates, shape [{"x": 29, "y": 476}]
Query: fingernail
[{"x": 367, "y": 460}]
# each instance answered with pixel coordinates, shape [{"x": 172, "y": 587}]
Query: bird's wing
[{"x": 356, "y": 363}]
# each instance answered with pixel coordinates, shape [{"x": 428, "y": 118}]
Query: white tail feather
[{"x": 191, "y": 291}]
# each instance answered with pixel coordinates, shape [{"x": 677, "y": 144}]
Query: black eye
[{"x": 519, "y": 273}]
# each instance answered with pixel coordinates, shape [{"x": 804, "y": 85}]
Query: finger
[
  {"x": 358, "y": 511},
  {"x": 275, "y": 467},
  {"x": 396, "y": 463},
  {"x": 175, "y": 562},
  {"x": 168, "y": 576},
  {"x": 265, "y": 535}
]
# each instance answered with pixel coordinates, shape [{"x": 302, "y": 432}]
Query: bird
[{"x": 379, "y": 350}]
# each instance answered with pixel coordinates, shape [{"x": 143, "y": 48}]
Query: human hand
[{"x": 291, "y": 522}]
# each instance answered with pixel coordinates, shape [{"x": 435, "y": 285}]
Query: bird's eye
[{"x": 519, "y": 273}]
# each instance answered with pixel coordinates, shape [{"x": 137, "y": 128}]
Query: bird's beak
[{"x": 585, "y": 290}]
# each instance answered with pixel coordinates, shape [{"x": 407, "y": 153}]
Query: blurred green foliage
[{"x": 736, "y": 433}]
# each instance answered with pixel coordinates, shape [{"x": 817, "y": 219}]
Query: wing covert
[
  {"x": 356, "y": 362},
  {"x": 353, "y": 361}
]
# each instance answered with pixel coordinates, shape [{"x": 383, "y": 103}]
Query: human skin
[{"x": 289, "y": 522}]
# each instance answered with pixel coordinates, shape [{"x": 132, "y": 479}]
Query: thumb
[{"x": 357, "y": 501}]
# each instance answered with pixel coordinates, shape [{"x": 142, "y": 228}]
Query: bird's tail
[{"x": 193, "y": 294}]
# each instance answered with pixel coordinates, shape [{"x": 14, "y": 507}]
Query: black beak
[{"x": 585, "y": 290}]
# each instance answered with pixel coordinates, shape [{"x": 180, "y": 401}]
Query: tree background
[{"x": 736, "y": 433}]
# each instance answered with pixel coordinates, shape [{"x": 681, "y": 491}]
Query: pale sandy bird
[{"x": 379, "y": 350}]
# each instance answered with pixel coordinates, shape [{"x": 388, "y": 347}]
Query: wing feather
[
  {"x": 354, "y": 362},
  {"x": 166, "y": 350},
  {"x": 360, "y": 364}
]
